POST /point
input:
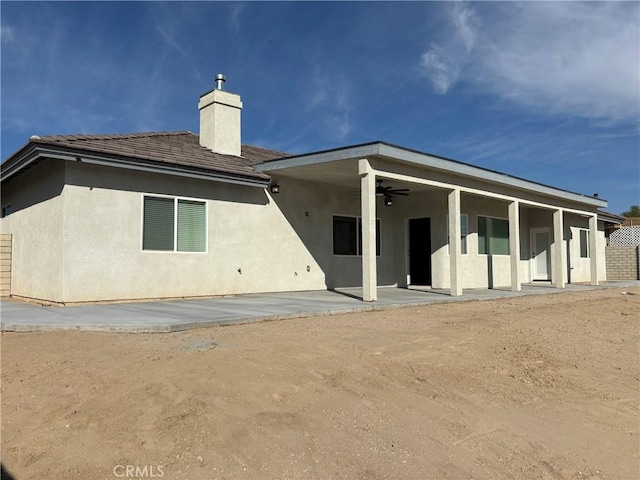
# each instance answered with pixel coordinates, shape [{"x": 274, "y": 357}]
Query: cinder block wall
[
  {"x": 5, "y": 264},
  {"x": 623, "y": 263}
]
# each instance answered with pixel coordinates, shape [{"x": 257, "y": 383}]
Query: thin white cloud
[
  {"x": 443, "y": 63},
  {"x": 329, "y": 97},
  {"x": 234, "y": 15},
  {"x": 7, "y": 34},
  {"x": 170, "y": 25},
  {"x": 578, "y": 59}
]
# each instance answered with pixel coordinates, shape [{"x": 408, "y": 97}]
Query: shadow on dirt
[{"x": 4, "y": 474}]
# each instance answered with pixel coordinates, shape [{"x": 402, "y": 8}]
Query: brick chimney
[{"x": 220, "y": 120}]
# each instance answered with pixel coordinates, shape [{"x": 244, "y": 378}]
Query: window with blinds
[{"x": 174, "y": 224}]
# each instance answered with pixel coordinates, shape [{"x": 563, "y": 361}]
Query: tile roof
[{"x": 175, "y": 148}]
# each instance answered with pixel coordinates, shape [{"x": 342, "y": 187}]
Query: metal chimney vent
[{"x": 220, "y": 79}]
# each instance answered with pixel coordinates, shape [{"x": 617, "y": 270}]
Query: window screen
[
  {"x": 165, "y": 231},
  {"x": 191, "y": 226},
  {"x": 158, "y": 223},
  {"x": 584, "y": 243},
  {"x": 347, "y": 235}
]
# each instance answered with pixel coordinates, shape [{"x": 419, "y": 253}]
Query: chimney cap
[{"x": 220, "y": 79}]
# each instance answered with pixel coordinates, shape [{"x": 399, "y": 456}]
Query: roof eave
[
  {"x": 37, "y": 152},
  {"x": 427, "y": 160},
  {"x": 610, "y": 218}
]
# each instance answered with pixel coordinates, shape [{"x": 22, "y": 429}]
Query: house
[{"x": 174, "y": 214}]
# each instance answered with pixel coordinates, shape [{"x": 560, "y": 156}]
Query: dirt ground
[{"x": 543, "y": 386}]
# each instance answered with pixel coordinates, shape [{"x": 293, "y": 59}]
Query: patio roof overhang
[{"x": 339, "y": 167}]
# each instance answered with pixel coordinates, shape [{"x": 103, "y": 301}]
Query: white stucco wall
[
  {"x": 36, "y": 222},
  {"x": 250, "y": 245},
  {"x": 579, "y": 269},
  {"x": 279, "y": 243}
]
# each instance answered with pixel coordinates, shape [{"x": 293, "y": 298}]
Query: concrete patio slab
[{"x": 177, "y": 315}]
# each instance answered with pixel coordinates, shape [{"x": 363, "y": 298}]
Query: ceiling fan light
[{"x": 388, "y": 202}]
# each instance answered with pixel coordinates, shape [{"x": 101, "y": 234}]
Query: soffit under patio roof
[{"x": 339, "y": 167}]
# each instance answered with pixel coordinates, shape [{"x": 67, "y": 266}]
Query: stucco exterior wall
[
  {"x": 256, "y": 242},
  {"x": 310, "y": 208},
  {"x": 579, "y": 269},
  {"x": 250, "y": 245},
  {"x": 36, "y": 223}
]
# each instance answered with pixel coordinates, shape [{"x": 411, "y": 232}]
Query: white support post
[
  {"x": 455, "y": 244},
  {"x": 514, "y": 245},
  {"x": 368, "y": 198},
  {"x": 593, "y": 248},
  {"x": 559, "y": 262}
]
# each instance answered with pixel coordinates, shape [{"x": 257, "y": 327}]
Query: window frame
[
  {"x": 587, "y": 248},
  {"x": 358, "y": 236},
  {"x": 463, "y": 237},
  {"x": 489, "y": 217},
  {"x": 176, "y": 200}
]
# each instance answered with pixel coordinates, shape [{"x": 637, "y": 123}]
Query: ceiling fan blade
[{"x": 404, "y": 194}]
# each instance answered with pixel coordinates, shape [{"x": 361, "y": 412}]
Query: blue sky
[{"x": 548, "y": 91}]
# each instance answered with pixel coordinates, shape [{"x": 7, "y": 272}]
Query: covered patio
[{"x": 361, "y": 168}]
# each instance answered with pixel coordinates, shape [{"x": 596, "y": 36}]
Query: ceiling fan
[{"x": 389, "y": 191}]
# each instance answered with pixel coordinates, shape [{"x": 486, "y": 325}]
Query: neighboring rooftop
[{"x": 631, "y": 222}]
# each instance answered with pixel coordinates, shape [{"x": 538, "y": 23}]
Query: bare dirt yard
[{"x": 544, "y": 386}]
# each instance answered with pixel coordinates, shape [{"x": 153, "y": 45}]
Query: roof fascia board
[
  {"x": 610, "y": 217},
  {"x": 16, "y": 166},
  {"x": 361, "y": 151},
  {"x": 487, "y": 175},
  {"x": 40, "y": 152},
  {"x": 423, "y": 159}
]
